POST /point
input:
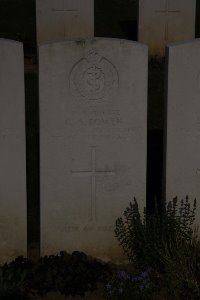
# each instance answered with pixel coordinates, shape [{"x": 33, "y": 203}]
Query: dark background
[{"x": 113, "y": 18}]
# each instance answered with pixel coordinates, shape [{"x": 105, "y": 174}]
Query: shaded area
[
  {"x": 154, "y": 169},
  {"x": 129, "y": 28},
  {"x": 155, "y": 121},
  {"x": 197, "y": 19},
  {"x": 72, "y": 275},
  {"x": 112, "y": 18},
  {"x": 156, "y": 83},
  {"x": 17, "y": 22},
  {"x": 32, "y": 169}
]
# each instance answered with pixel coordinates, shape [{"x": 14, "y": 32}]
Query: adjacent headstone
[
  {"x": 13, "y": 237},
  {"x": 93, "y": 118},
  {"x": 163, "y": 21},
  {"x": 183, "y": 123},
  {"x": 64, "y": 19}
]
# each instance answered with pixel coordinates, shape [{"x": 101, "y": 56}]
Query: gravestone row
[
  {"x": 159, "y": 21},
  {"x": 93, "y": 116}
]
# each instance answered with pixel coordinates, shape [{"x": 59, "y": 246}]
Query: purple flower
[
  {"x": 123, "y": 275},
  {"x": 146, "y": 285},
  {"x": 108, "y": 286},
  {"x": 135, "y": 278},
  {"x": 144, "y": 274},
  {"x": 143, "y": 279}
]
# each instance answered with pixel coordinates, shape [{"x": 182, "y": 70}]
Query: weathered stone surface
[
  {"x": 12, "y": 152},
  {"x": 93, "y": 115},
  {"x": 183, "y": 122},
  {"x": 64, "y": 19},
  {"x": 163, "y": 21}
]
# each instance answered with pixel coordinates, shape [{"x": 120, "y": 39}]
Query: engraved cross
[
  {"x": 166, "y": 13},
  {"x": 93, "y": 173}
]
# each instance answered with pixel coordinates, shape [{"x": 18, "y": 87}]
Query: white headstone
[
  {"x": 163, "y": 21},
  {"x": 93, "y": 116},
  {"x": 183, "y": 122},
  {"x": 64, "y": 19},
  {"x": 13, "y": 237}
]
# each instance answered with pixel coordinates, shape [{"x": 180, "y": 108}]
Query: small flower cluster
[
  {"x": 144, "y": 280},
  {"x": 124, "y": 285}
]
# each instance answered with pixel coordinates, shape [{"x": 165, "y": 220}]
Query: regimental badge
[{"x": 93, "y": 77}]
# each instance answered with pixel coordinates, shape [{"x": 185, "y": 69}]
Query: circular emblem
[{"x": 93, "y": 77}]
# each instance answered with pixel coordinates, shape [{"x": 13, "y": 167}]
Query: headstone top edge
[
  {"x": 182, "y": 43},
  {"x": 82, "y": 40},
  {"x": 9, "y": 41}
]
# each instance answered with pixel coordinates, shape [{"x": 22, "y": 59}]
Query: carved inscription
[
  {"x": 87, "y": 228},
  {"x": 196, "y": 124},
  {"x": 96, "y": 123},
  {"x": 7, "y": 133},
  {"x": 70, "y": 228},
  {"x": 93, "y": 118},
  {"x": 198, "y": 80},
  {"x": 198, "y": 172},
  {"x": 93, "y": 77}
]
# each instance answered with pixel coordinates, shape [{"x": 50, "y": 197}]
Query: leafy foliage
[
  {"x": 71, "y": 274},
  {"x": 145, "y": 239},
  {"x": 168, "y": 243},
  {"x": 182, "y": 268},
  {"x": 12, "y": 280}
]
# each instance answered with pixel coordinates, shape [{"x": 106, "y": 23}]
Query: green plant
[
  {"x": 182, "y": 268},
  {"x": 145, "y": 239},
  {"x": 70, "y": 274},
  {"x": 168, "y": 243},
  {"x": 12, "y": 280}
]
